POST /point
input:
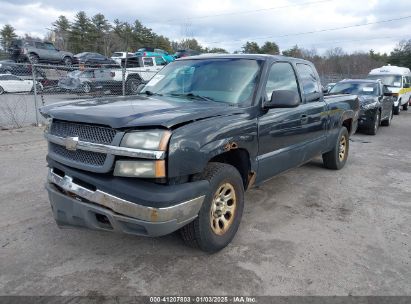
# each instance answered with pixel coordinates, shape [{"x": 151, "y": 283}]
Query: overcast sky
[{"x": 229, "y": 23}]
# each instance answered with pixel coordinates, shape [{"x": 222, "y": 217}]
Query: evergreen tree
[
  {"x": 270, "y": 48},
  {"x": 7, "y": 34},
  {"x": 61, "y": 29},
  {"x": 79, "y": 37},
  {"x": 251, "y": 48},
  {"x": 99, "y": 33}
]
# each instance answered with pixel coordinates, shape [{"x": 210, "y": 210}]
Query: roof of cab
[{"x": 264, "y": 57}]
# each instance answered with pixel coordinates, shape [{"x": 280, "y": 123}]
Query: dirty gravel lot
[{"x": 310, "y": 231}]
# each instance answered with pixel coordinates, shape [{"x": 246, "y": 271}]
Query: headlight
[
  {"x": 140, "y": 168},
  {"x": 369, "y": 106},
  {"x": 148, "y": 140}
]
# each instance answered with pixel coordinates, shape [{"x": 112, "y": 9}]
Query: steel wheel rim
[
  {"x": 223, "y": 208},
  {"x": 342, "y": 148},
  {"x": 86, "y": 88}
]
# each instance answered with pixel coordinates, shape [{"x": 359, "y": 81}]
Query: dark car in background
[
  {"x": 86, "y": 81},
  {"x": 36, "y": 51},
  {"x": 185, "y": 53},
  {"x": 92, "y": 59},
  {"x": 11, "y": 67},
  {"x": 376, "y": 102}
]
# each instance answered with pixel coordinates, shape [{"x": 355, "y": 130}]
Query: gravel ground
[{"x": 310, "y": 231}]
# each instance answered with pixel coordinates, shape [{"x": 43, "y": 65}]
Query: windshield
[
  {"x": 356, "y": 88},
  {"x": 231, "y": 81},
  {"x": 389, "y": 80}
]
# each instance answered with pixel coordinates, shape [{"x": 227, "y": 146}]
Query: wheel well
[
  {"x": 134, "y": 76},
  {"x": 347, "y": 123},
  {"x": 238, "y": 158},
  {"x": 33, "y": 53}
]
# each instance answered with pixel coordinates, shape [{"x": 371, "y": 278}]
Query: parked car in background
[
  {"x": 11, "y": 67},
  {"x": 36, "y": 51},
  {"x": 151, "y": 52},
  {"x": 180, "y": 155},
  {"x": 138, "y": 70},
  {"x": 398, "y": 80},
  {"x": 86, "y": 81},
  {"x": 14, "y": 84},
  {"x": 329, "y": 86},
  {"x": 91, "y": 59},
  {"x": 376, "y": 102},
  {"x": 185, "y": 53},
  {"x": 118, "y": 56}
]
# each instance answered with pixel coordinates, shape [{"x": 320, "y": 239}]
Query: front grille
[
  {"x": 80, "y": 156},
  {"x": 89, "y": 133}
]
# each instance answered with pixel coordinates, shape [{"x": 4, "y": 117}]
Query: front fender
[{"x": 193, "y": 145}]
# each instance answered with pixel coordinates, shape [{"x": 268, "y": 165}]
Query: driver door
[{"x": 280, "y": 130}]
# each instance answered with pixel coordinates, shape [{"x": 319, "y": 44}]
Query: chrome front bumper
[{"x": 75, "y": 205}]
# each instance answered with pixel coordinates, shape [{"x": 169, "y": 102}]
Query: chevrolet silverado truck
[{"x": 181, "y": 153}]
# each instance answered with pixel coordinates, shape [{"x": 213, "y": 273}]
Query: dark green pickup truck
[{"x": 181, "y": 153}]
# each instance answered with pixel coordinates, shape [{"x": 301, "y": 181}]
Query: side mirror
[
  {"x": 406, "y": 85},
  {"x": 325, "y": 90},
  {"x": 283, "y": 99}
]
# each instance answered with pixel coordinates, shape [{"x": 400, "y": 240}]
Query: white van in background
[{"x": 398, "y": 80}]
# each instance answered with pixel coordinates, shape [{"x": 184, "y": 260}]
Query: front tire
[
  {"x": 337, "y": 157},
  {"x": 397, "y": 109},
  {"x": 405, "y": 106},
  {"x": 387, "y": 122},
  {"x": 221, "y": 212}
]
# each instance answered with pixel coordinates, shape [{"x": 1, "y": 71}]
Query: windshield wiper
[
  {"x": 193, "y": 96},
  {"x": 150, "y": 93}
]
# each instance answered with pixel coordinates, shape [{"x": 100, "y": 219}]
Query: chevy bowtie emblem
[{"x": 71, "y": 143}]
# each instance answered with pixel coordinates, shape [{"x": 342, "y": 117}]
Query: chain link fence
[{"x": 26, "y": 87}]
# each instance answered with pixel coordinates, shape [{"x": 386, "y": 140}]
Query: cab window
[
  {"x": 309, "y": 81},
  {"x": 147, "y": 61},
  {"x": 160, "y": 61},
  {"x": 281, "y": 77}
]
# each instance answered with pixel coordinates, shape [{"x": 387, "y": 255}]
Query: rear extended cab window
[{"x": 310, "y": 83}]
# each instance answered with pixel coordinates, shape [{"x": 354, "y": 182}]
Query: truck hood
[
  {"x": 137, "y": 111},
  {"x": 366, "y": 99}
]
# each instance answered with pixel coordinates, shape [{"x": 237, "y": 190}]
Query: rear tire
[
  {"x": 337, "y": 157},
  {"x": 405, "y": 107},
  {"x": 67, "y": 61},
  {"x": 86, "y": 88},
  {"x": 221, "y": 212},
  {"x": 34, "y": 59},
  {"x": 373, "y": 128},
  {"x": 132, "y": 85}
]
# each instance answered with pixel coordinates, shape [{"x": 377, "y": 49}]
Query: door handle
[{"x": 304, "y": 118}]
